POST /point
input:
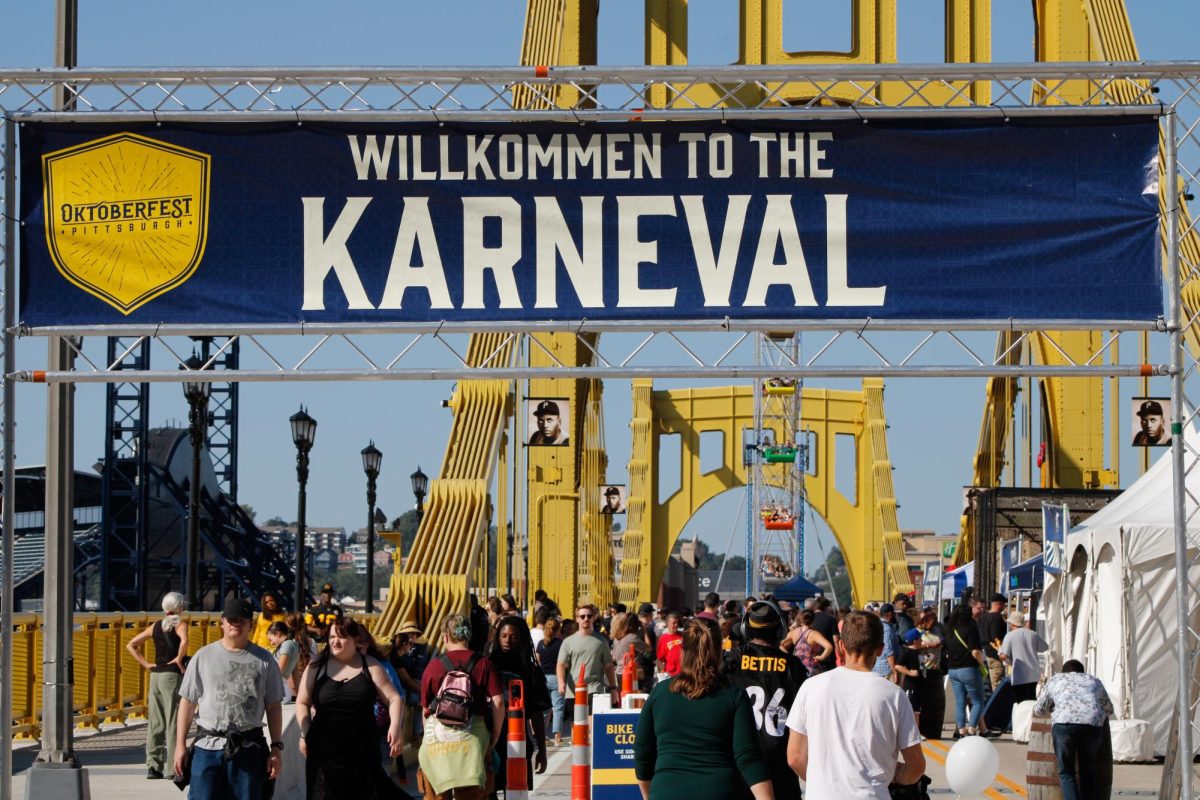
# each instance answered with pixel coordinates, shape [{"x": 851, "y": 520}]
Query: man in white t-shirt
[{"x": 860, "y": 724}]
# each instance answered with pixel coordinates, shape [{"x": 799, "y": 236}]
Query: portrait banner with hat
[
  {"x": 1150, "y": 421},
  {"x": 612, "y": 498},
  {"x": 548, "y": 420}
]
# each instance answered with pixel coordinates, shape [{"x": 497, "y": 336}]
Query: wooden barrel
[
  {"x": 1041, "y": 772},
  {"x": 933, "y": 705}
]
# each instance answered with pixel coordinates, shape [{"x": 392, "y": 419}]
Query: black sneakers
[{"x": 153, "y": 775}]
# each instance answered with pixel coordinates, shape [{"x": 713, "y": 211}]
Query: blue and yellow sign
[
  {"x": 126, "y": 216},
  {"x": 612, "y": 756},
  {"x": 1040, "y": 219}
]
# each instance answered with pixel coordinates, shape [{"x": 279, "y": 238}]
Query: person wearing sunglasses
[{"x": 588, "y": 650}]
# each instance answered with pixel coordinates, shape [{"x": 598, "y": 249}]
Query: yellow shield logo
[{"x": 126, "y": 216}]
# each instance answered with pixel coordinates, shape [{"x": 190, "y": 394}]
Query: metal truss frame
[{"x": 587, "y": 95}]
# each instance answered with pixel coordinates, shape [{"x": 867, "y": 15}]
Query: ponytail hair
[
  {"x": 700, "y": 666},
  {"x": 457, "y": 628},
  {"x": 172, "y": 604},
  {"x": 550, "y": 629}
]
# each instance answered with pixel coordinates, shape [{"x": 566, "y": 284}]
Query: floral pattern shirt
[{"x": 1074, "y": 698}]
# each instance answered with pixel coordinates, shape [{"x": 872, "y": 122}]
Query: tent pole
[{"x": 1182, "y": 590}]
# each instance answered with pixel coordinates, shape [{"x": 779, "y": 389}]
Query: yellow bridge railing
[{"x": 110, "y": 686}]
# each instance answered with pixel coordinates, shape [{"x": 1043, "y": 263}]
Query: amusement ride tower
[{"x": 776, "y": 456}]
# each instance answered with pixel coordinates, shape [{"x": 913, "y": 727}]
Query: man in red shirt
[{"x": 670, "y": 646}]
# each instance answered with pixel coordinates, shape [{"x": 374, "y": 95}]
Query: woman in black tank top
[
  {"x": 170, "y": 636},
  {"x": 336, "y": 713}
]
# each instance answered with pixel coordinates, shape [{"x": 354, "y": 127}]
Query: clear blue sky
[{"x": 934, "y": 423}]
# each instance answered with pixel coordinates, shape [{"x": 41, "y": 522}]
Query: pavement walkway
[{"x": 116, "y": 770}]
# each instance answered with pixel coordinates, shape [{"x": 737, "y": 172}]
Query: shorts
[{"x": 914, "y": 699}]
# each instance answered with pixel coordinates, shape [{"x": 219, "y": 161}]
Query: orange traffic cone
[
  {"x": 516, "y": 769},
  {"x": 629, "y": 682},
  {"x": 581, "y": 754}
]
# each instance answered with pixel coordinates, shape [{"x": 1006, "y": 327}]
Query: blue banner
[
  {"x": 613, "y": 736},
  {"x": 1056, "y": 522},
  {"x": 364, "y": 222}
]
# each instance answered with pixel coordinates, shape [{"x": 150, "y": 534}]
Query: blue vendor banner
[
  {"x": 1056, "y": 523},
  {"x": 1050, "y": 218}
]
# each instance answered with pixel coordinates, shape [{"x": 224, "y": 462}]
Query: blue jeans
[
  {"x": 239, "y": 778},
  {"x": 1084, "y": 757},
  {"x": 967, "y": 683},
  {"x": 556, "y": 707}
]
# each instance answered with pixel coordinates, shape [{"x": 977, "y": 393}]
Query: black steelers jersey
[{"x": 770, "y": 678}]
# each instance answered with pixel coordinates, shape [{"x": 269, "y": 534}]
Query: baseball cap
[
  {"x": 646, "y": 608},
  {"x": 611, "y": 491},
  {"x": 238, "y": 608},
  {"x": 546, "y": 407},
  {"x": 327, "y": 588},
  {"x": 1149, "y": 407},
  {"x": 911, "y": 635},
  {"x": 999, "y": 598},
  {"x": 887, "y": 608}
]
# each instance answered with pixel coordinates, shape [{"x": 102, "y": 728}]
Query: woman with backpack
[
  {"x": 339, "y": 739},
  {"x": 464, "y": 718},
  {"x": 512, "y": 656}
]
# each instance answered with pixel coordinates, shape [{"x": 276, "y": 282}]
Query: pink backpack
[{"x": 452, "y": 703}]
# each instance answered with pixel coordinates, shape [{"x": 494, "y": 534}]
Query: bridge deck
[{"x": 115, "y": 762}]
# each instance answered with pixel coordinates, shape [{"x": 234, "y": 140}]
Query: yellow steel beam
[
  {"x": 637, "y": 554},
  {"x": 873, "y": 25},
  {"x": 991, "y": 454},
  {"x": 595, "y": 562},
  {"x": 447, "y": 552},
  {"x": 555, "y": 502},
  {"x": 875, "y": 457}
]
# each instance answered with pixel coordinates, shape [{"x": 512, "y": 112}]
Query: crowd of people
[{"x": 744, "y": 698}]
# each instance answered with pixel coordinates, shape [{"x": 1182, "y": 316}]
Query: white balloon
[{"x": 971, "y": 765}]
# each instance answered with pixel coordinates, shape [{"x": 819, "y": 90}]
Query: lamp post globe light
[
  {"x": 196, "y": 393},
  {"x": 420, "y": 484},
  {"x": 372, "y": 458},
  {"x": 304, "y": 430}
]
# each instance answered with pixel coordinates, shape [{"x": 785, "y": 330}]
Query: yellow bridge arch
[{"x": 865, "y": 526}]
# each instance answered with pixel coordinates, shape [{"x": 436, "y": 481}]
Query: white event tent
[{"x": 1114, "y": 606}]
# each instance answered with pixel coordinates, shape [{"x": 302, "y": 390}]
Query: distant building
[
  {"x": 921, "y": 546},
  {"x": 316, "y": 539},
  {"x": 345, "y": 562}
]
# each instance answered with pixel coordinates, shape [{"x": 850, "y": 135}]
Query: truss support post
[
  {"x": 1178, "y": 451},
  {"x": 8, "y": 413},
  {"x": 57, "y": 773}
]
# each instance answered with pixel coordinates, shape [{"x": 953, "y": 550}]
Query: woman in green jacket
[{"x": 695, "y": 735}]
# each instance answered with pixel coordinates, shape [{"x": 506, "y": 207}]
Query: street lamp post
[
  {"x": 304, "y": 430},
  {"x": 372, "y": 458},
  {"x": 420, "y": 484},
  {"x": 196, "y": 393}
]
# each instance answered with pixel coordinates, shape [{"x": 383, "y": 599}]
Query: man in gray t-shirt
[
  {"x": 1020, "y": 650},
  {"x": 587, "y": 649},
  {"x": 227, "y": 687}
]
